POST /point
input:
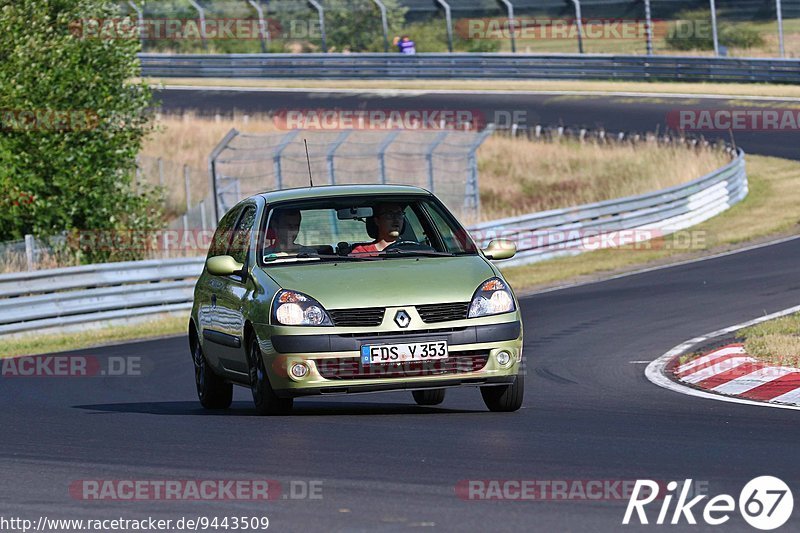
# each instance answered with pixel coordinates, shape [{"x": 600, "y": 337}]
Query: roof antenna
[{"x": 308, "y": 160}]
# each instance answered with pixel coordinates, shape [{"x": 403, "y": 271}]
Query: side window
[
  {"x": 240, "y": 243},
  {"x": 222, "y": 237}
]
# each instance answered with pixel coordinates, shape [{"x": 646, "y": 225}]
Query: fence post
[
  {"x": 276, "y": 159},
  {"x": 332, "y": 151},
  {"x": 715, "y": 36},
  {"x": 779, "y": 11},
  {"x": 203, "y": 220},
  {"x": 30, "y": 252},
  {"x": 212, "y": 168},
  {"x": 648, "y": 27},
  {"x": 449, "y": 20},
  {"x": 262, "y": 25},
  {"x": 472, "y": 195},
  {"x": 429, "y": 157},
  {"x": 382, "y": 152},
  {"x": 510, "y": 11},
  {"x": 187, "y": 187},
  {"x": 384, "y": 23},
  {"x": 321, "y": 11},
  {"x": 202, "y": 13},
  {"x": 140, "y": 17},
  {"x": 579, "y": 22},
  {"x": 160, "y": 172}
]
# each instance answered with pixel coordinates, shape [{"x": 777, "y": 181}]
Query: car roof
[{"x": 307, "y": 193}]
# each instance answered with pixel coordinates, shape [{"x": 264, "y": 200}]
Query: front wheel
[
  {"x": 506, "y": 398},
  {"x": 429, "y": 396},
  {"x": 264, "y": 398},
  {"x": 212, "y": 390}
]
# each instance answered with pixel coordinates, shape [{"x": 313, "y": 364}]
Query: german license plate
[{"x": 398, "y": 353}]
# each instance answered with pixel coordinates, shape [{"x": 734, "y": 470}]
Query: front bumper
[{"x": 333, "y": 360}]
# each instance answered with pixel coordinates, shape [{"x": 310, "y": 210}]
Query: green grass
[{"x": 775, "y": 341}]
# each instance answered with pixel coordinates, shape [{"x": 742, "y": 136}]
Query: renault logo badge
[{"x": 402, "y": 319}]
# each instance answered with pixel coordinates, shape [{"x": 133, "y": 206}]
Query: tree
[
  {"x": 355, "y": 25},
  {"x": 72, "y": 119}
]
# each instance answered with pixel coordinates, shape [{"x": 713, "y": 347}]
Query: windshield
[{"x": 360, "y": 229}]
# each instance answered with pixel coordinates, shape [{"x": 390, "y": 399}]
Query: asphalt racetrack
[{"x": 387, "y": 465}]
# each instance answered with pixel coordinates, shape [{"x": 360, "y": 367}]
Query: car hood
[{"x": 386, "y": 282}]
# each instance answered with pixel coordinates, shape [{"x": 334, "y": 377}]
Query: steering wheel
[{"x": 407, "y": 245}]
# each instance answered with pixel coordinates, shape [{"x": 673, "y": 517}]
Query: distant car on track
[{"x": 349, "y": 289}]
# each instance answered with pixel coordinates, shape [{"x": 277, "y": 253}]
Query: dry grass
[
  {"x": 516, "y": 175},
  {"x": 599, "y": 86},
  {"x": 776, "y": 341},
  {"x": 769, "y": 209}
]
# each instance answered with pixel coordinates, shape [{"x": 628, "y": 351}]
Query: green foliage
[
  {"x": 73, "y": 123},
  {"x": 693, "y": 32},
  {"x": 431, "y": 36},
  {"x": 355, "y": 25}
]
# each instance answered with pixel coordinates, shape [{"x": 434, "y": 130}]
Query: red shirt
[{"x": 365, "y": 248}]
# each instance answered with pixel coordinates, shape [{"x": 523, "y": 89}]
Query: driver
[
  {"x": 388, "y": 223},
  {"x": 284, "y": 228}
]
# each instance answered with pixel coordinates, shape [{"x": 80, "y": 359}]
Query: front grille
[
  {"x": 365, "y": 316},
  {"x": 344, "y": 368},
  {"x": 443, "y": 312}
]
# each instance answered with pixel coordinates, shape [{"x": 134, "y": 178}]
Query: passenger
[
  {"x": 283, "y": 230},
  {"x": 385, "y": 226}
]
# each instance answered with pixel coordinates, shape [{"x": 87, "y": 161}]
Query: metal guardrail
[
  {"x": 472, "y": 66},
  {"x": 574, "y": 230},
  {"x": 33, "y": 301}
]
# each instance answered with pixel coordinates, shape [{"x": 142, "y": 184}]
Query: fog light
[
  {"x": 503, "y": 357},
  {"x": 299, "y": 370}
]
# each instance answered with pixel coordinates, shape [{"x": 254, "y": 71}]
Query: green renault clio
[{"x": 350, "y": 289}]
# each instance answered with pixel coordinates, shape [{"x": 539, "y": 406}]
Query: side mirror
[
  {"x": 500, "y": 249},
  {"x": 224, "y": 265}
]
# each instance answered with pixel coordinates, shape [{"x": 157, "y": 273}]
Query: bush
[
  {"x": 693, "y": 32},
  {"x": 431, "y": 36},
  {"x": 73, "y": 123}
]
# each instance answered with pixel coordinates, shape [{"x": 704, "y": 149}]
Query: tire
[
  {"x": 506, "y": 398},
  {"x": 264, "y": 398},
  {"x": 429, "y": 396},
  {"x": 212, "y": 391}
]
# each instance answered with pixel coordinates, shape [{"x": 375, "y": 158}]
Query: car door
[{"x": 230, "y": 296}]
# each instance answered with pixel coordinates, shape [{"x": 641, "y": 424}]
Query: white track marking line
[
  {"x": 708, "y": 358},
  {"x": 718, "y": 368},
  {"x": 656, "y": 375},
  {"x": 753, "y": 380}
]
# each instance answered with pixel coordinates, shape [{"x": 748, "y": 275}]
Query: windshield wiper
[
  {"x": 334, "y": 257},
  {"x": 431, "y": 253}
]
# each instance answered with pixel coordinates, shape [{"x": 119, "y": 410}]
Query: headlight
[
  {"x": 492, "y": 298},
  {"x": 293, "y": 308}
]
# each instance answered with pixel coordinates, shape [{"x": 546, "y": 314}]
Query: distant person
[{"x": 405, "y": 45}]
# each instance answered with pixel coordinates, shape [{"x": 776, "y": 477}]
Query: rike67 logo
[{"x": 765, "y": 503}]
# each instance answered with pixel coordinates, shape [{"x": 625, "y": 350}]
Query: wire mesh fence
[{"x": 441, "y": 161}]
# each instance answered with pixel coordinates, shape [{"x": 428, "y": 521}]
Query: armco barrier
[
  {"x": 44, "y": 299},
  {"x": 472, "y": 66}
]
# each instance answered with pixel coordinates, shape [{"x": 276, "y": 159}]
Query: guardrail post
[
  {"x": 140, "y": 17},
  {"x": 511, "y": 26},
  {"x": 276, "y": 157},
  {"x": 714, "y": 35},
  {"x": 449, "y": 20},
  {"x": 429, "y": 157},
  {"x": 212, "y": 168},
  {"x": 648, "y": 27},
  {"x": 779, "y": 11},
  {"x": 579, "y": 22},
  {"x": 384, "y": 23},
  {"x": 30, "y": 251},
  {"x": 382, "y": 152},
  {"x": 332, "y": 151},
  {"x": 471, "y": 194},
  {"x": 202, "y": 13},
  {"x": 262, "y": 25},
  {"x": 321, "y": 11}
]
